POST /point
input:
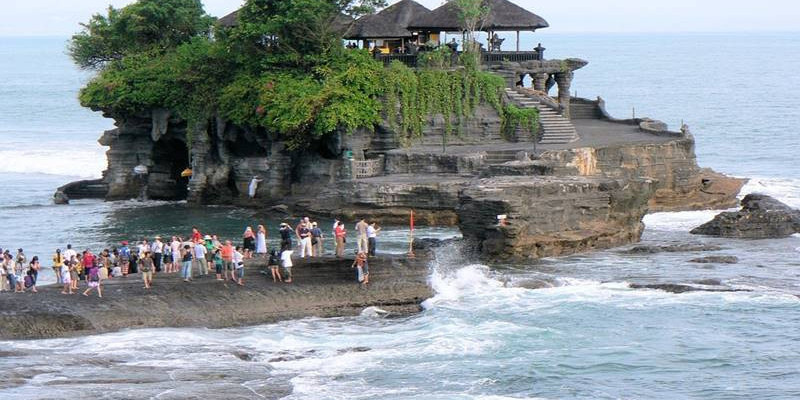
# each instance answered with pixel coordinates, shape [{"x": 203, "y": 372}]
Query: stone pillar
[
  {"x": 540, "y": 81},
  {"x": 564, "y": 80}
]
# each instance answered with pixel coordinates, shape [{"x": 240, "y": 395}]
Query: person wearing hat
[
  {"x": 157, "y": 248},
  {"x": 208, "y": 242}
]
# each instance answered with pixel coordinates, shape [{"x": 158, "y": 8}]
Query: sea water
[{"x": 583, "y": 334}]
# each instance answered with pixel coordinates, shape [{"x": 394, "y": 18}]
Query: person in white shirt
[
  {"x": 286, "y": 263},
  {"x": 70, "y": 253},
  {"x": 157, "y": 248},
  {"x": 175, "y": 248},
  {"x": 199, "y": 259},
  {"x": 372, "y": 239},
  {"x": 238, "y": 265}
]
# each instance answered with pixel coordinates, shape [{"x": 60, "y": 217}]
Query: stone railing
[
  {"x": 496, "y": 57},
  {"x": 367, "y": 168}
]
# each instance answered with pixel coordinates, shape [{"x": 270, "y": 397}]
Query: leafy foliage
[
  {"x": 281, "y": 71},
  {"x": 515, "y": 117},
  {"x": 146, "y": 26}
]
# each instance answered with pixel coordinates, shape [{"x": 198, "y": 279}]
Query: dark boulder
[
  {"x": 716, "y": 260},
  {"x": 673, "y": 248},
  {"x": 761, "y": 217}
]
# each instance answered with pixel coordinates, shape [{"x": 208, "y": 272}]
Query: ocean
[{"x": 484, "y": 335}]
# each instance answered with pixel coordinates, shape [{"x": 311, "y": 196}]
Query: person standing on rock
[
  {"x": 199, "y": 258},
  {"x": 372, "y": 238},
  {"x": 304, "y": 233},
  {"x": 316, "y": 240},
  {"x": 146, "y": 267},
  {"x": 238, "y": 265},
  {"x": 5, "y": 284},
  {"x": 227, "y": 258},
  {"x": 69, "y": 253},
  {"x": 66, "y": 277},
  {"x": 261, "y": 241},
  {"x": 253, "y": 187},
  {"x": 33, "y": 272},
  {"x": 125, "y": 258},
  {"x": 286, "y": 236},
  {"x": 157, "y": 248},
  {"x": 341, "y": 234},
  {"x": 286, "y": 262},
  {"x": 186, "y": 260},
  {"x": 248, "y": 242},
  {"x": 274, "y": 266},
  {"x": 58, "y": 259},
  {"x": 175, "y": 248},
  {"x": 361, "y": 231}
]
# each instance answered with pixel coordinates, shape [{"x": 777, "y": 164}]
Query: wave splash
[{"x": 84, "y": 163}]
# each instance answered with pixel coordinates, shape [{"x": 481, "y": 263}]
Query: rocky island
[{"x": 453, "y": 135}]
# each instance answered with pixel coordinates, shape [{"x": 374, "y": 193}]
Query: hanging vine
[{"x": 515, "y": 117}]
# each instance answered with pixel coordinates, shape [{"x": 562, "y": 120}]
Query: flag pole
[{"x": 411, "y": 236}]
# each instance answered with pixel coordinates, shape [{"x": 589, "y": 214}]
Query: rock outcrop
[
  {"x": 761, "y": 217},
  {"x": 323, "y": 287},
  {"x": 552, "y": 216}
]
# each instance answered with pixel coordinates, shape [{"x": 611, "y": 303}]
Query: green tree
[
  {"x": 472, "y": 14},
  {"x": 144, "y": 26}
]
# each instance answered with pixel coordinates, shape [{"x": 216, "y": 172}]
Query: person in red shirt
[
  {"x": 340, "y": 233},
  {"x": 87, "y": 261},
  {"x": 227, "y": 260},
  {"x": 197, "y": 237}
]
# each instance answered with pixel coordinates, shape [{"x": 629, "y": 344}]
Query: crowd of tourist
[{"x": 195, "y": 256}]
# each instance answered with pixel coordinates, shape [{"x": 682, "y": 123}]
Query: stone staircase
[{"x": 555, "y": 128}]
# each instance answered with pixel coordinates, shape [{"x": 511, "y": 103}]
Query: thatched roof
[
  {"x": 229, "y": 20},
  {"x": 503, "y": 16},
  {"x": 391, "y": 22}
]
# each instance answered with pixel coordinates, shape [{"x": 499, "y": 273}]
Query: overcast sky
[{"x": 61, "y": 17}]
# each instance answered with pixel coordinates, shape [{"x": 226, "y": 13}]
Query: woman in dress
[
  {"x": 261, "y": 241},
  {"x": 249, "y": 242}
]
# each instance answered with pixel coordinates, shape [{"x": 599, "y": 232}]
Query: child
[
  {"x": 286, "y": 260},
  {"x": 93, "y": 280},
  {"x": 66, "y": 277},
  {"x": 218, "y": 264},
  {"x": 238, "y": 265},
  {"x": 363, "y": 269},
  {"x": 274, "y": 266}
]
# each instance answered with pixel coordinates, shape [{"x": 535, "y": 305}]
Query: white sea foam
[
  {"x": 78, "y": 162},
  {"x": 784, "y": 189}
]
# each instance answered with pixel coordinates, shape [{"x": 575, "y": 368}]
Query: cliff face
[
  {"x": 573, "y": 197},
  {"x": 552, "y": 216}
]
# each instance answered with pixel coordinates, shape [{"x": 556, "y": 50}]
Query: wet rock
[
  {"x": 716, "y": 260},
  {"x": 358, "y": 349},
  {"x": 676, "y": 248},
  {"x": 280, "y": 208},
  {"x": 761, "y": 217},
  {"x": 709, "y": 282},
  {"x": 244, "y": 356},
  {"x": 60, "y": 198},
  {"x": 533, "y": 284},
  {"x": 679, "y": 288}
]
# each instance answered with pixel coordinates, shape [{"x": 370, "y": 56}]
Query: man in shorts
[
  {"x": 227, "y": 259},
  {"x": 286, "y": 262}
]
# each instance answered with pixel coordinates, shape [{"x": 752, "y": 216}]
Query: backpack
[{"x": 28, "y": 281}]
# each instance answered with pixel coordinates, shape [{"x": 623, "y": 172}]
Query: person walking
[
  {"x": 261, "y": 241},
  {"x": 146, "y": 267},
  {"x": 93, "y": 281},
  {"x": 361, "y": 231},
  {"x": 175, "y": 248},
  {"x": 341, "y": 235}
]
